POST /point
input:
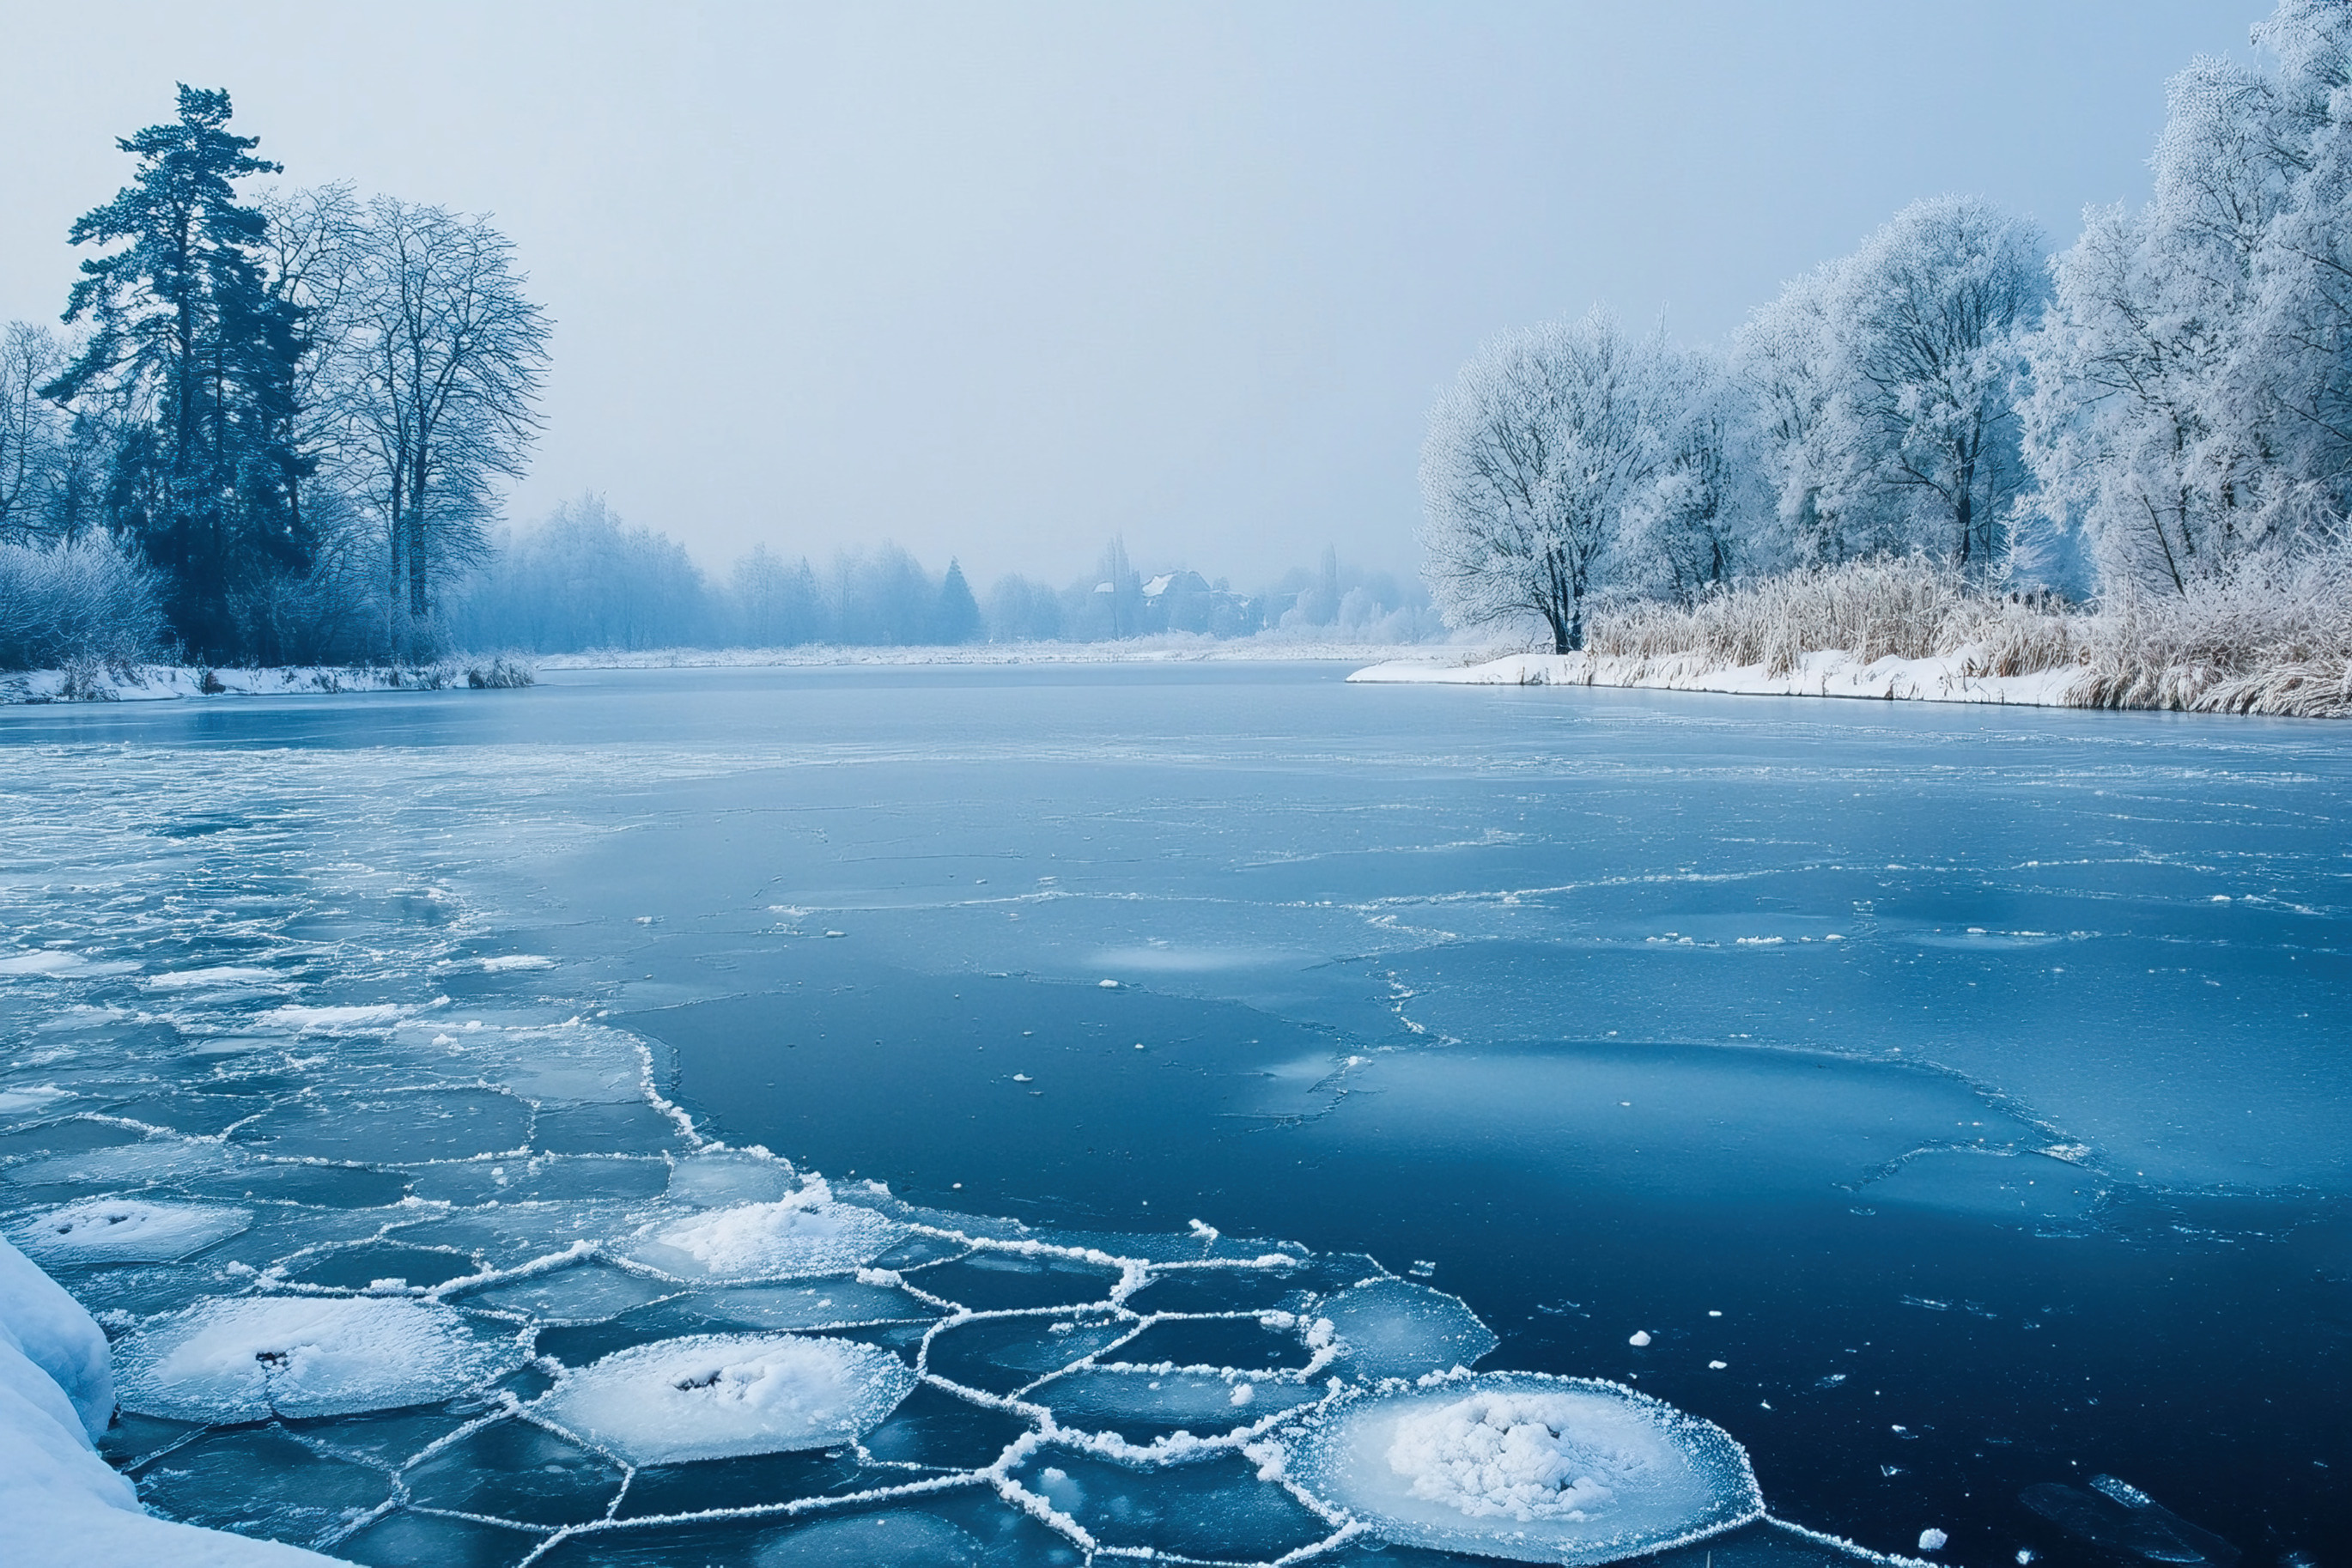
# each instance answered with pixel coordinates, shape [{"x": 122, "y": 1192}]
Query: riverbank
[
  {"x": 1950, "y": 678},
  {"x": 162, "y": 682},
  {"x": 2276, "y": 641}
]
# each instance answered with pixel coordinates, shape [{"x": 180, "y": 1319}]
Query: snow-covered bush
[
  {"x": 2271, "y": 634},
  {"x": 81, "y": 605}
]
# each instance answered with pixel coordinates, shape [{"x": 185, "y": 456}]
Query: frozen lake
[{"x": 1952, "y": 1106}]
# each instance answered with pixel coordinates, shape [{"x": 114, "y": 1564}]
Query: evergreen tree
[
  {"x": 959, "y": 617},
  {"x": 191, "y": 359}
]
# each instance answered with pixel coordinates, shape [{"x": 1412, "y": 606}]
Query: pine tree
[
  {"x": 192, "y": 359},
  {"x": 959, "y": 614}
]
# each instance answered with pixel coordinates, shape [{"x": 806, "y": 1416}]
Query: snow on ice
[
  {"x": 726, "y": 1395},
  {"x": 248, "y": 1358},
  {"x": 1539, "y": 1470},
  {"x": 801, "y": 1234}
]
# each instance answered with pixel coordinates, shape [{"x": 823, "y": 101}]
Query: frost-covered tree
[
  {"x": 2190, "y": 406},
  {"x": 1534, "y": 460},
  {"x": 1705, "y": 516},
  {"x": 776, "y": 603},
  {"x": 583, "y": 579},
  {"x": 1932, "y": 314},
  {"x": 1789, "y": 357},
  {"x": 1021, "y": 610}
]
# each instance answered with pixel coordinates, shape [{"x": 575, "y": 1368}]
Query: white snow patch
[{"x": 725, "y": 1395}]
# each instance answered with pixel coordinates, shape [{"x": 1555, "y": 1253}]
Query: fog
[{"x": 999, "y": 283}]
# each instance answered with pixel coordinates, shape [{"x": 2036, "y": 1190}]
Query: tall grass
[
  {"x": 79, "y": 606},
  {"x": 2272, "y": 636}
]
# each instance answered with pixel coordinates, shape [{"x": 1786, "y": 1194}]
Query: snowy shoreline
[
  {"x": 1950, "y": 677},
  {"x": 167, "y": 682}
]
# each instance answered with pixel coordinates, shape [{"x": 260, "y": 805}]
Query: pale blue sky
[{"x": 1001, "y": 279}]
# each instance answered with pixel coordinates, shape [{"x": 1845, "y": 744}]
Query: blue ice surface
[{"x": 1980, "y": 1068}]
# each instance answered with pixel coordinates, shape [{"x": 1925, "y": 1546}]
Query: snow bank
[
  {"x": 60, "y": 1504},
  {"x": 723, "y": 1397},
  {"x": 1518, "y": 1465},
  {"x": 244, "y": 1358},
  {"x": 1829, "y": 673}
]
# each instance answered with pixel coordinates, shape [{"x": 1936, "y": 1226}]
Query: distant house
[{"x": 1187, "y": 602}]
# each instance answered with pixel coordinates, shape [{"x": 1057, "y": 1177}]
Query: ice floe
[
  {"x": 127, "y": 1230},
  {"x": 1388, "y": 1328},
  {"x": 806, "y": 1233},
  {"x": 245, "y": 1358},
  {"x": 1517, "y": 1465},
  {"x": 718, "y": 1396}
]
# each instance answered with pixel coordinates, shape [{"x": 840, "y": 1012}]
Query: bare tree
[
  {"x": 448, "y": 357},
  {"x": 32, "y": 433}
]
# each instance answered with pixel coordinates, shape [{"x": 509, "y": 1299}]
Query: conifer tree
[
  {"x": 191, "y": 360},
  {"x": 959, "y": 617}
]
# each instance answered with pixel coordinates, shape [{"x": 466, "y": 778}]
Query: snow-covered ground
[{"x": 1829, "y": 673}]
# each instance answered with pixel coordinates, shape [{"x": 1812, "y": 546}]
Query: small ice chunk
[
  {"x": 1522, "y": 1466},
  {"x": 1107, "y": 985},
  {"x": 1639, "y": 1338},
  {"x": 801, "y": 1235},
  {"x": 231, "y": 1358},
  {"x": 1717, "y": 1365},
  {"x": 1932, "y": 1540},
  {"x": 721, "y": 1397},
  {"x": 127, "y": 1230},
  {"x": 1244, "y": 1392},
  {"x": 1389, "y": 1328}
]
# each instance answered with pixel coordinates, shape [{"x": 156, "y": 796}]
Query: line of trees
[
  {"x": 583, "y": 579},
  {"x": 2164, "y": 404},
  {"x": 292, "y": 413}
]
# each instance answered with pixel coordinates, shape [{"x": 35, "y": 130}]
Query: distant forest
[{"x": 583, "y": 579}]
